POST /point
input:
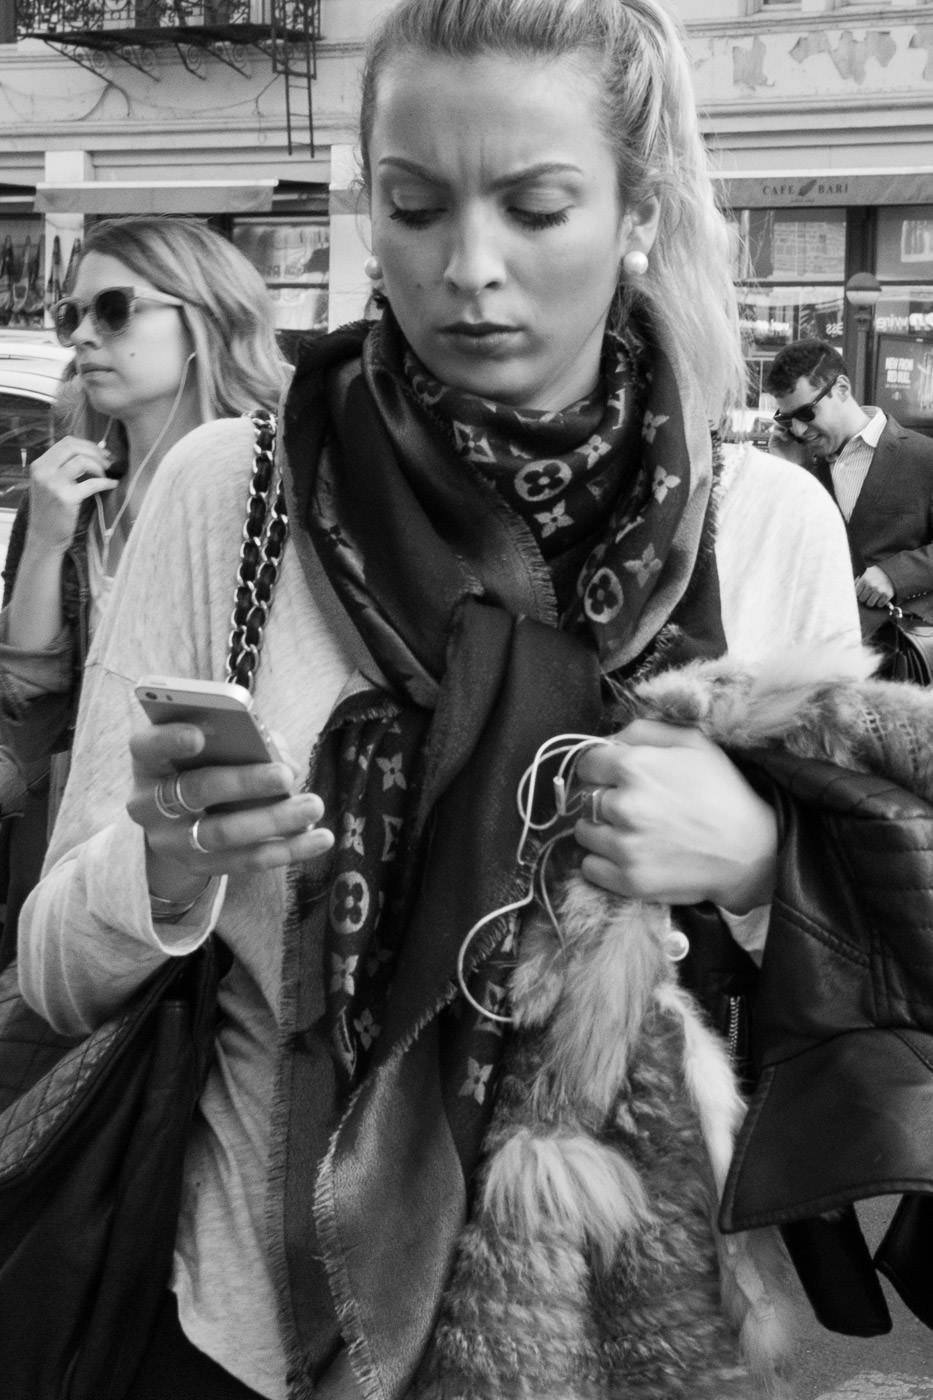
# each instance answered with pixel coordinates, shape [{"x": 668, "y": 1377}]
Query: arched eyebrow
[{"x": 518, "y": 177}]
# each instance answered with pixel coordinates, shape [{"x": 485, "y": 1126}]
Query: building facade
[{"x": 818, "y": 113}]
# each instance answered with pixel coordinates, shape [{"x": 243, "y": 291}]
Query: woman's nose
[
  {"x": 476, "y": 259},
  {"x": 86, "y": 332}
]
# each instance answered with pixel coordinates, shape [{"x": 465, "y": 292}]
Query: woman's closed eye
[
  {"x": 534, "y": 219},
  {"x": 540, "y": 218},
  {"x": 414, "y": 217}
]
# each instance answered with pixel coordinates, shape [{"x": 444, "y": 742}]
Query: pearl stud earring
[
  {"x": 373, "y": 269},
  {"x": 635, "y": 263}
]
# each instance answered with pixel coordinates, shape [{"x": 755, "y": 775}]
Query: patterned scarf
[
  {"x": 457, "y": 580},
  {"x": 603, "y": 512}
]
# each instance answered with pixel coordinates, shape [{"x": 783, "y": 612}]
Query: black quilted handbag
[
  {"x": 92, "y": 1145},
  {"x": 907, "y": 643}
]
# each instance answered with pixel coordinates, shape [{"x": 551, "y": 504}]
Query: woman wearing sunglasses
[{"x": 171, "y": 327}]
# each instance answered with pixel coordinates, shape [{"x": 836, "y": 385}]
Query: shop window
[
  {"x": 22, "y": 279},
  {"x": 293, "y": 257},
  {"x": 905, "y": 243},
  {"x": 783, "y": 245},
  {"x": 903, "y": 379},
  {"x": 789, "y": 268}
]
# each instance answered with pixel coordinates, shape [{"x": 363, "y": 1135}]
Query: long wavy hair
[
  {"x": 227, "y": 311},
  {"x": 638, "y": 51}
]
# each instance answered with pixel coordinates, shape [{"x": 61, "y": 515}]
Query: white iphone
[{"x": 222, "y": 711}]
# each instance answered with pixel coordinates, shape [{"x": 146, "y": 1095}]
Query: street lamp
[{"x": 862, "y": 292}]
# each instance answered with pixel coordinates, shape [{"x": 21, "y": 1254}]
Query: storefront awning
[
  {"x": 812, "y": 189},
  {"x": 157, "y": 197}
]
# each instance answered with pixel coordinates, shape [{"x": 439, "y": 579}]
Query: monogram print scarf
[
  {"x": 496, "y": 564},
  {"x": 603, "y": 510}
]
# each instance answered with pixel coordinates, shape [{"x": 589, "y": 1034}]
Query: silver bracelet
[{"x": 169, "y": 911}]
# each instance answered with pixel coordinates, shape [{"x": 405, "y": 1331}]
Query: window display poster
[
  {"x": 904, "y": 379},
  {"x": 905, "y": 242},
  {"x": 782, "y": 244},
  {"x": 773, "y": 317},
  {"x": 297, "y": 252},
  {"x": 293, "y": 257}
]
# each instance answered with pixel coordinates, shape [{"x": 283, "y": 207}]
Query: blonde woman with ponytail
[{"x": 507, "y": 505}]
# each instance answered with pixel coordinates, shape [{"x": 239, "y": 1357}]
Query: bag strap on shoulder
[{"x": 265, "y": 531}]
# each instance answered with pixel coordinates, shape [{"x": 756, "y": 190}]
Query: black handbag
[
  {"x": 906, "y": 641},
  {"x": 92, "y": 1146},
  {"x": 93, "y": 1131}
]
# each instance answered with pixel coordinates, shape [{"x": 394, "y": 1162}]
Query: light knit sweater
[{"x": 86, "y": 937}]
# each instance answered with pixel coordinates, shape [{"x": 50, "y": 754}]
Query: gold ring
[{"x": 193, "y": 839}]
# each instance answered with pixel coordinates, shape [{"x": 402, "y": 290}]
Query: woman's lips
[{"x": 479, "y": 337}]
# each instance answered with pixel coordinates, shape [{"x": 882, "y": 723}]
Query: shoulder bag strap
[{"x": 265, "y": 531}]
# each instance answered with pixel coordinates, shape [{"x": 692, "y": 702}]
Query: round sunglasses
[
  {"x": 806, "y": 412},
  {"x": 110, "y": 310}
]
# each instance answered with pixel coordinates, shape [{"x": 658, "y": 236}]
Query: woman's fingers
[
  {"x": 158, "y": 749},
  {"x": 222, "y": 843},
  {"x": 71, "y": 459},
  {"x": 60, "y": 480},
  {"x": 674, "y": 821},
  {"x": 236, "y": 784},
  {"x": 218, "y": 819},
  {"x": 222, "y": 836}
]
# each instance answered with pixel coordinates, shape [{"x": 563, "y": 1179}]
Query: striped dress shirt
[{"x": 850, "y": 468}]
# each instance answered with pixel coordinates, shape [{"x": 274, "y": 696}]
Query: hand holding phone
[
  {"x": 247, "y": 814},
  {"x": 783, "y": 443},
  {"x": 233, "y": 733}
]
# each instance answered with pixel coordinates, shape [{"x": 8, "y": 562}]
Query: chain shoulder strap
[{"x": 265, "y": 531}]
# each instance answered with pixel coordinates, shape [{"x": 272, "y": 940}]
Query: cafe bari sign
[{"x": 840, "y": 187}]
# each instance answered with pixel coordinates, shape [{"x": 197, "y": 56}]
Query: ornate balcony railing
[{"x": 286, "y": 31}]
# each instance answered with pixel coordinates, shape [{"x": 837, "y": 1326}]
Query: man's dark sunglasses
[
  {"x": 110, "y": 310},
  {"x": 806, "y": 411}
]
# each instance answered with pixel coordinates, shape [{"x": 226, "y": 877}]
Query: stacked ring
[
  {"x": 169, "y": 799},
  {"x": 194, "y": 840}
]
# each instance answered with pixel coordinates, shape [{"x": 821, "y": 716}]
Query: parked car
[{"x": 31, "y": 367}]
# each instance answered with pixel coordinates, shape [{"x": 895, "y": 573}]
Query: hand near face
[
  {"x": 874, "y": 588},
  {"x": 678, "y": 822},
  {"x": 61, "y": 480},
  {"x": 781, "y": 443},
  {"x": 278, "y": 827}
]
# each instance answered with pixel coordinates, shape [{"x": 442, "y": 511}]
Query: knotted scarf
[{"x": 485, "y": 644}]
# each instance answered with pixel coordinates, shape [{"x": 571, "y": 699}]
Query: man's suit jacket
[{"x": 892, "y": 523}]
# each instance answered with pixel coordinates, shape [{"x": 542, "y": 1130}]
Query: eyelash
[{"x": 528, "y": 218}]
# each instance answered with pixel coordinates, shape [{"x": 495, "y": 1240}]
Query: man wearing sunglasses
[{"x": 879, "y": 474}]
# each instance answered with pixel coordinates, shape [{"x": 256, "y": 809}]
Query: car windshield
[
  {"x": 25, "y": 431},
  {"x": 31, "y": 366}
]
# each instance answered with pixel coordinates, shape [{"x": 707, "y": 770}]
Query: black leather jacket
[{"x": 841, "y": 1040}]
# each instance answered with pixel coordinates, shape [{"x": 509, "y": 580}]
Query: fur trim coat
[{"x": 592, "y": 1266}]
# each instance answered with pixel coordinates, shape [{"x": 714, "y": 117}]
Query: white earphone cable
[{"x": 568, "y": 748}]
